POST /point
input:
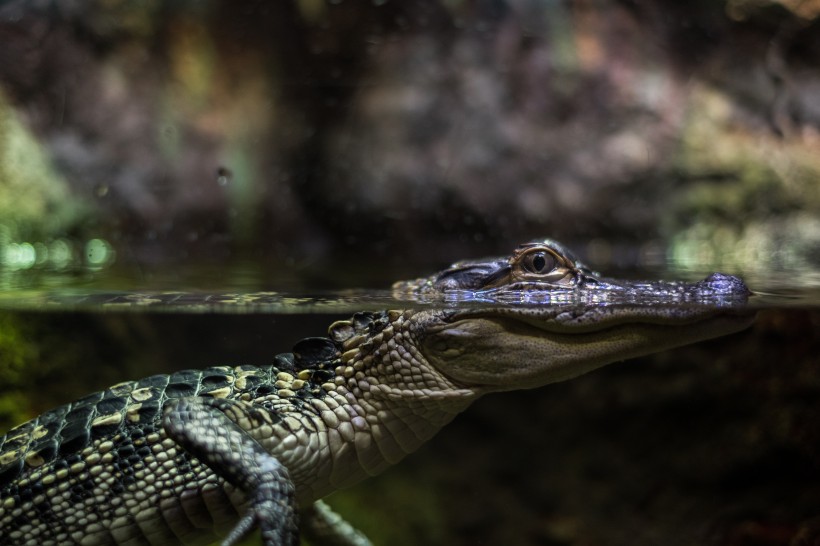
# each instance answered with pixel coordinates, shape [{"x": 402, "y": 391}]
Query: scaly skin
[{"x": 188, "y": 457}]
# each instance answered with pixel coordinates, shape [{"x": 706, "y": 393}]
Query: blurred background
[
  {"x": 310, "y": 145},
  {"x": 340, "y": 143}
]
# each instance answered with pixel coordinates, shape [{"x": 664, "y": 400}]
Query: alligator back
[{"x": 78, "y": 458}]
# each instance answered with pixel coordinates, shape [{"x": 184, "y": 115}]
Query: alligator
[{"x": 195, "y": 455}]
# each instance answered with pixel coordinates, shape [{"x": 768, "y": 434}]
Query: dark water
[{"x": 715, "y": 443}]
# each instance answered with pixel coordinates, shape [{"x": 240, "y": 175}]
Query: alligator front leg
[{"x": 207, "y": 429}]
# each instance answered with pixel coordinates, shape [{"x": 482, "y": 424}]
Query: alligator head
[{"x": 541, "y": 316}]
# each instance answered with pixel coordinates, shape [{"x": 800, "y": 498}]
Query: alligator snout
[{"x": 720, "y": 284}]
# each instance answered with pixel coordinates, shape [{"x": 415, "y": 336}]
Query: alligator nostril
[{"x": 725, "y": 284}]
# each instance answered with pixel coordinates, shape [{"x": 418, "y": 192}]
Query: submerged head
[{"x": 541, "y": 316}]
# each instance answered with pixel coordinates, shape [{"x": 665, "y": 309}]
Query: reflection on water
[
  {"x": 57, "y": 254},
  {"x": 49, "y": 297},
  {"x": 91, "y": 275}
]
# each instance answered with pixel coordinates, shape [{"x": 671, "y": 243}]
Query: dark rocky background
[
  {"x": 312, "y": 144},
  {"x": 301, "y": 133}
]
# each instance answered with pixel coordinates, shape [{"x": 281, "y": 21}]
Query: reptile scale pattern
[{"x": 102, "y": 469}]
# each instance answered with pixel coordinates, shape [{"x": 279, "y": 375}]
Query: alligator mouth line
[
  {"x": 723, "y": 321},
  {"x": 711, "y": 323}
]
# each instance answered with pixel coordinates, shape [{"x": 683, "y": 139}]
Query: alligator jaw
[{"x": 507, "y": 348}]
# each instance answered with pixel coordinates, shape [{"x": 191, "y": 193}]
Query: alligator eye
[{"x": 539, "y": 263}]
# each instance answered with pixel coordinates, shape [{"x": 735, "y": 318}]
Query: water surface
[{"x": 91, "y": 292}]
